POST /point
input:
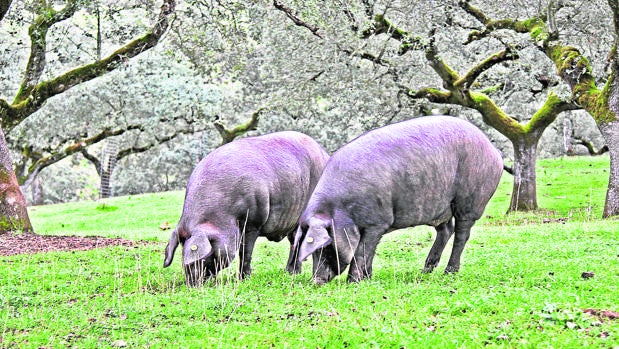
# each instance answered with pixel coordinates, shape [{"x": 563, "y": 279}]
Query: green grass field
[{"x": 520, "y": 283}]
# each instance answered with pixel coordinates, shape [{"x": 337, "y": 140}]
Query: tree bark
[
  {"x": 610, "y": 127},
  {"x": 610, "y": 131},
  {"x": 524, "y": 192},
  {"x": 4, "y": 7},
  {"x": 37, "y": 192},
  {"x": 13, "y": 212}
]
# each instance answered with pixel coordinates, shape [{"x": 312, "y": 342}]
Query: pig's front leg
[
  {"x": 248, "y": 240},
  {"x": 361, "y": 264},
  {"x": 293, "y": 266}
]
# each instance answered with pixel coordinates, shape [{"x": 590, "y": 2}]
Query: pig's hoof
[
  {"x": 244, "y": 275},
  {"x": 320, "y": 281},
  {"x": 427, "y": 270},
  {"x": 357, "y": 278},
  {"x": 451, "y": 269}
]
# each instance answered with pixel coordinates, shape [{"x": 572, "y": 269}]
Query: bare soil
[{"x": 11, "y": 244}]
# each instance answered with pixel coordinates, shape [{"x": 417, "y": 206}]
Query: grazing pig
[
  {"x": 424, "y": 171},
  {"x": 256, "y": 186}
]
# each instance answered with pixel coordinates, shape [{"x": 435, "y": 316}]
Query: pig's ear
[
  {"x": 316, "y": 238},
  {"x": 195, "y": 248},
  {"x": 297, "y": 237},
  {"x": 170, "y": 248}
]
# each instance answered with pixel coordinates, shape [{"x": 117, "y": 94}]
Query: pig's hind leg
[
  {"x": 462, "y": 233},
  {"x": 443, "y": 234}
]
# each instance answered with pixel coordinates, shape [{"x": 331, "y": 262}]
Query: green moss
[
  {"x": 569, "y": 61},
  {"x": 596, "y": 103},
  {"x": 545, "y": 115},
  {"x": 537, "y": 28},
  {"x": 495, "y": 116}
]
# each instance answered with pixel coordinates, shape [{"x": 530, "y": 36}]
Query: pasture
[{"x": 521, "y": 283}]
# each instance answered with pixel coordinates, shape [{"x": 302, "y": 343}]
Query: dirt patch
[{"x": 11, "y": 244}]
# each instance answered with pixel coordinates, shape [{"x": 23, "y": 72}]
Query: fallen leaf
[
  {"x": 613, "y": 315},
  {"x": 119, "y": 344},
  {"x": 587, "y": 274}
]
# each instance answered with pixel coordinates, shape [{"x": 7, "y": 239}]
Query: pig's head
[
  {"x": 206, "y": 251},
  {"x": 331, "y": 242}
]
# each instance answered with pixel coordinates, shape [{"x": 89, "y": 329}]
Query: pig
[
  {"x": 439, "y": 171},
  {"x": 251, "y": 187}
]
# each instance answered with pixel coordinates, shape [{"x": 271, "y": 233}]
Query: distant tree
[{"x": 36, "y": 88}]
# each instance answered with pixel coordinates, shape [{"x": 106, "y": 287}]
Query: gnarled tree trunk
[{"x": 13, "y": 213}]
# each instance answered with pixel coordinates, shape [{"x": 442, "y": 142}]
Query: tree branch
[
  {"x": 571, "y": 65},
  {"x": 590, "y": 148},
  {"x": 548, "y": 113},
  {"x": 383, "y": 26},
  {"x": 535, "y": 25},
  {"x": 431, "y": 94},
  {"x": 506, "y": 55},
  {"x": 46, "y": 18},
  {"x": 446, "y": 73},
  {"x": 39, "y": 161},
  {"x": 31, "y": 96},
  {"x": 92, "y": 158},
  {"x": 296, "y": 19},
  {"x": 367, "y": 56},
  {"x": 76, "y": 147},
  {"x": 228, "y": 135}
]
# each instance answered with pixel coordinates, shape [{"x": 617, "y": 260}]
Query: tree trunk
[
  {"x": 524, "y": 192},
  {"x": 610, "y": 132},
  {"x": 568, "y": 131},
  {"x": 13, "y": 213},
  {"x": 105, "y": 190},
  {"x": 37, "y": 192}
]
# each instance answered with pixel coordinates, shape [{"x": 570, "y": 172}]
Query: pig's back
[
  {"x": 408, "y": 173},
  {"x": 263, "y": 182}
]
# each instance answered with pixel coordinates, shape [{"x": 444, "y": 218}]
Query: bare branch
[
  {"x": 228, "y": 135},
  {"x": 384, "y": 26},
  {"x": 447, "y": 74},
  {"x": 506, "y": 55},
  {"x": 590, "y": 147},
  {"x": 536, "y": 26},
  {"x": 47, "y": 156},
  {"x": 431, "y": 94},
  {"x": 367, "y": 56},
  {"x": 296, "y": 19},
  {"x": 473, "y": 11}
]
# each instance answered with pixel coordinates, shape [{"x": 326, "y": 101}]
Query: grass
[{"x": 520, "y": 284}]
